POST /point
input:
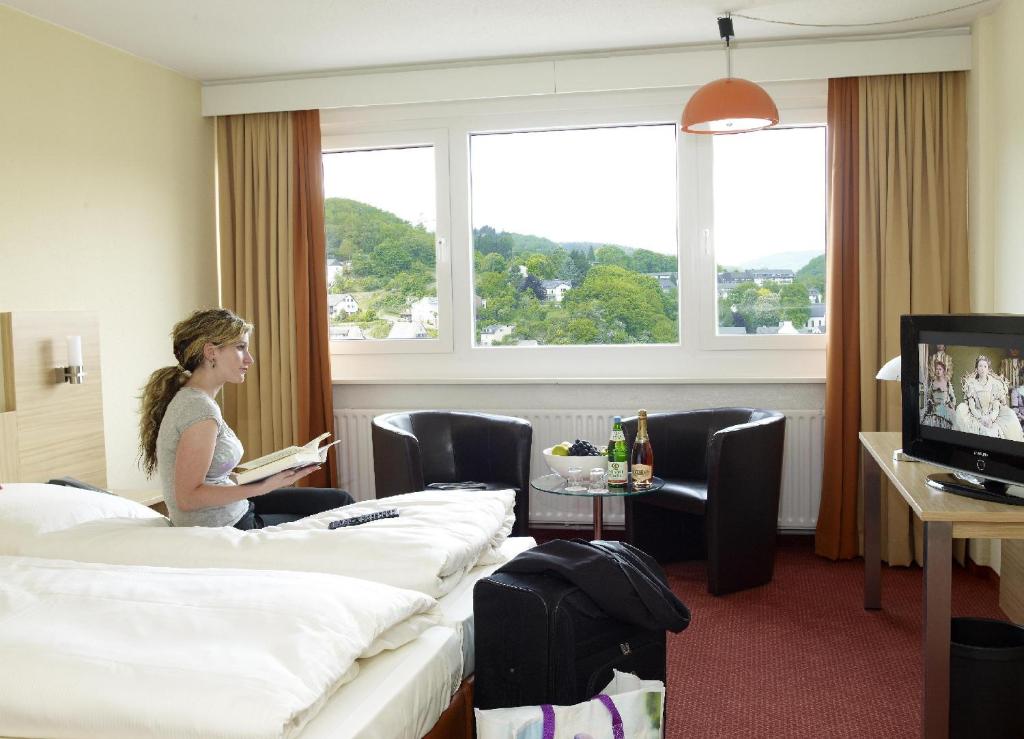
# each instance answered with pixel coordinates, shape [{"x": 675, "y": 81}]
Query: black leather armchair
[
  {"x": 723, "y": 473},
  {"x": 413, "y": 449}
]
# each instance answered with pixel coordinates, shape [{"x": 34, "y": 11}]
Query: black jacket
[{"x": 623, "y": 581}]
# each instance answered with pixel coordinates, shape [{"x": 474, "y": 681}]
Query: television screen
[
  {"x": 970, "y": 389},
  {"x": 963, "y": 393}
]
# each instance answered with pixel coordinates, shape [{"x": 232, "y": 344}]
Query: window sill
[{"x": 578, "y": 381}]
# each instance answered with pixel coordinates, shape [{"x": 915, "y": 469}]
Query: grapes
[{"x": 581, "y": 448}]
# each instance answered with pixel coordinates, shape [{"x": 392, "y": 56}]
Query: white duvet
[
  {"x": 113, "y": 651},
  {"x": 436, "y": 538}
]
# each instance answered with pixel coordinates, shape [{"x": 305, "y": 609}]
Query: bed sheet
[
  {"x": 396, "y": 695},
  {"x": 457, "y": 606},
  {"x": 401, "y": 694}
]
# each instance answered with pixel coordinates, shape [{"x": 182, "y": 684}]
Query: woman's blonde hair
[{"x": 217, "y": 326}]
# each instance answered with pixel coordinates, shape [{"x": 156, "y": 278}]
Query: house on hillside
[
  {"x": 730, "y": 279},
  {"x": 555, "y": 289},
  {"x": 335, "y": 267},
  {"x": 494, "y": 333},
  {"x": 814, "y": 295},
  {"x": 666, "y": 280},
  {"x": 424, "y": 311},
  {"x": 340, "y": 306},
  {"x": 816, "y": 323}
]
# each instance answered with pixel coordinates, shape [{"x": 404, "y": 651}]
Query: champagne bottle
[
  {"x": 618, "y": 475},
  {"x": 641, "y": 460}
]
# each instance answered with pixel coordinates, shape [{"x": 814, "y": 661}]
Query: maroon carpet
[{"x": 801, "y": 657}]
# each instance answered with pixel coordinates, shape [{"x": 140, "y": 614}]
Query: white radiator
[{"x": 801, "y": 470}]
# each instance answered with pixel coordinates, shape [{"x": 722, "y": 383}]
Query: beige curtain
[
  {"x": 255, "y": 172},
  {"x": 913, "y": 241}
]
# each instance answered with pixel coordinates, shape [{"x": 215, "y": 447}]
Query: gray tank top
[{"x": 191, "y": 406}]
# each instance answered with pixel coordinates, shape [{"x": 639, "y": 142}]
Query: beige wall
[
  {"x": 106, "y": 203},
  {"x": 997, "y": 211},
  {"x": 997, "y": 138}
]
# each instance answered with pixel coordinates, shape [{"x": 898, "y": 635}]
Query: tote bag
[{"x": 628, "y": 708}]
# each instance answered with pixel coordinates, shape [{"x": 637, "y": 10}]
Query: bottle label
[
  {"x": 642, "y": 474},
  {"x": 617, "y": 475}
]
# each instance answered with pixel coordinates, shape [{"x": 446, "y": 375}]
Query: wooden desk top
[{"x": 970, "y": 517}]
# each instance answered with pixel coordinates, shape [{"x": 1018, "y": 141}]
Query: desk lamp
[{"x": 892, "y": 371}]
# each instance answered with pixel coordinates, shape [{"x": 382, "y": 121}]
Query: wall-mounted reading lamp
[{"x": 74, "y": 372}]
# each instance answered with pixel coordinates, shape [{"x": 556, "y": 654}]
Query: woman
[
  {"x": 184, "y": 437},
  {"x": 984, "y": 410},
  {"x": 940, "y": 406}
]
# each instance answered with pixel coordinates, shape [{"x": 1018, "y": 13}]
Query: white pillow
[{"x": 35, "y": 508}]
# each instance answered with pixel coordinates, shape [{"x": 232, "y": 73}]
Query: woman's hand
[{"x": 286, "y": 478}]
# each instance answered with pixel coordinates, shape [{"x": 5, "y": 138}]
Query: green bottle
[{"x": 617, "y": 456}]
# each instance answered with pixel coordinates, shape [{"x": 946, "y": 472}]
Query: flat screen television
[{"x": 962, "y": 382}]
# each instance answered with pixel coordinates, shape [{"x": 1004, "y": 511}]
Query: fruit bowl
[{"x": 561, "y": 464}]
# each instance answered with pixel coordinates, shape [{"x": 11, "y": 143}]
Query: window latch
[{"x": 442, "y": 249}]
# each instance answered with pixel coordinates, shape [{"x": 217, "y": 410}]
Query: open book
[{"x": 284, "y": 459}]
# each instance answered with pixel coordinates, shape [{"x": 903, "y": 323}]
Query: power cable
[{"x": 856, "y": 25}]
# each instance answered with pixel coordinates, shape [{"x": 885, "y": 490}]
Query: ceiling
[{"x": 211, "y": 40}]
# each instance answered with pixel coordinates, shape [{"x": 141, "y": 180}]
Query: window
[
  {"x": 769, "y": 231},
  {"x": 574, "y": 236},
  {"x": 381, "y": 219}
]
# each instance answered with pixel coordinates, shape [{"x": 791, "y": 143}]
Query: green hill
[
  {"x": 812, "y": 274},
  {"x": 355, "y": 228}
]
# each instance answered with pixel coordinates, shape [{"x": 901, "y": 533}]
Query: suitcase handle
[{"x": 606, "y": 701}]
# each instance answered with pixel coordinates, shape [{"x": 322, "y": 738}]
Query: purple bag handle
[{"x": 617, "y": 731}]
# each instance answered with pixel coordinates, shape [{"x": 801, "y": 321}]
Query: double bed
[{"x": 409, "y": 690}]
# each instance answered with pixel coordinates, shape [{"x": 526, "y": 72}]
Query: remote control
[{"x": 364, "y": 518}]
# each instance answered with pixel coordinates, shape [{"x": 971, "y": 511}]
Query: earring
[{"x": 213, "y": 364}]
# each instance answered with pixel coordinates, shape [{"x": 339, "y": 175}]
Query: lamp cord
[{"x": 856, "y": 25}]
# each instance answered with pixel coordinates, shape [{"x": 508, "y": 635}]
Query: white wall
[{"x": 106, "y": 204}]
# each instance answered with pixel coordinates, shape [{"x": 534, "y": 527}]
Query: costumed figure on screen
[
  {"x": 1017, "y": 402},
  {"x": 940, "y": 357},
  {"x": 940, "y": 402},
  {"x": 985, "y": 409}
]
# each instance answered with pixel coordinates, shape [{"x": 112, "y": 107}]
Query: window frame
[
  {"x": 709, "y": 338},
  {"x": 688, "y": 361},
  {"x": 405, "y": 139},
  {"x": 568, "y": 122}
]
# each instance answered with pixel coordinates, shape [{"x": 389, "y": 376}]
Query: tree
[
  {"x": 492, "y": 262},
  {"x": 754, "y": 306},
  {"x": 625, "y": 307},
  {"x": 580, "y": 267},
  {"x": 795, "y": 304},
  {"x": 532, "y": 283},
  {"x": 643, "y": 260},
  {"x": 611, "y": 255},
  {"x": 541, "y": 266}
]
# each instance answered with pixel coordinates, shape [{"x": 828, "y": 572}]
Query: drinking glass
[
  {"x": 574, "y": 479},
  {"x": 598, "y": 480}
]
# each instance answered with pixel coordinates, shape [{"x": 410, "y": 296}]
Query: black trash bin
[{"x": 986, "y": 679}]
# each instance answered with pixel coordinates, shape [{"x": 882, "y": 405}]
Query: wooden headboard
[{"x": 47, "y": 429}]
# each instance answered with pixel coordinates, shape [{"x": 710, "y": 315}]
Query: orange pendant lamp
[{"x": 731, "y": 104}]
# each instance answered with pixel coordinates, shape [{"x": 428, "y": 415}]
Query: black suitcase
[{"x": 540, "y": 639}]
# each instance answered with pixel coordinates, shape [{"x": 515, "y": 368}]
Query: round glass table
[{"x": 556, "y": 485}]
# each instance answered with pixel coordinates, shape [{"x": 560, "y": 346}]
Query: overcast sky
[{"x": 611, "y": 185}]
